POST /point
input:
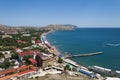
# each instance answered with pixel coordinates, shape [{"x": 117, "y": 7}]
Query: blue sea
[{"x": 89, "y": 40}]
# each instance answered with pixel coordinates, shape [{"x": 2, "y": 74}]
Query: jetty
[{"x": 84, "y": 55}]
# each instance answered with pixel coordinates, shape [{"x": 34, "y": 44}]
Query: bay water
[{"x": 90, "y": 40}]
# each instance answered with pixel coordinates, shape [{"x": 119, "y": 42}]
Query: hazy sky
[{"x": 82, "y": 13}]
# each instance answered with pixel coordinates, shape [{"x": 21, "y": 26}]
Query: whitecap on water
[{"x": 109, "y": 44}]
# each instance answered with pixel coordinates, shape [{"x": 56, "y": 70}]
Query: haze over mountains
[{"x": 51, "y": 26}]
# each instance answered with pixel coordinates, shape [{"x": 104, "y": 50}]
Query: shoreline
[
  {"x": 68, "y": 60},
  {"x": 56, "y": 49}
]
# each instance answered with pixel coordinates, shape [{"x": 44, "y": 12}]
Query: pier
[{"x": 84, "y": 55}]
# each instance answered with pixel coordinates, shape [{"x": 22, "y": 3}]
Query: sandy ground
[{"x": 61, "y": 77}]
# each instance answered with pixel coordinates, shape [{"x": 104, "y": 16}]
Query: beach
[
  {"x": 58, "y": 52},
  {"x": 70, "y": 41},
  {"x": 89, "y": 40},
  {"x": 67, "y": 60}
]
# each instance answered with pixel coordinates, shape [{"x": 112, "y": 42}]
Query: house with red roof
[
  {"x": 33, "y": 61},
  {"x": 30, "y": 52},
  {"x": 21, "y": 41},
  {"x": 18, "y": 50}
]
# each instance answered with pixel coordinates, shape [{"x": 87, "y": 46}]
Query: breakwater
[{"x": 84, "y": 55}]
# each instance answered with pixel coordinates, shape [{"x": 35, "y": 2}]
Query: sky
[{"x": 83, "y": 13}]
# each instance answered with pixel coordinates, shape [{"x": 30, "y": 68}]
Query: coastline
[
  {"x": 55, "y": 48},
  {"x": 68, "y": 60},
  {"x": 51, "y": 31},
  {"x": 58, "y": 52},
  {"x": 90, "y": 45}
]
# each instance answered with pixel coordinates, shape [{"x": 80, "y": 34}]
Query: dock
[{"x": 84, "y": 55}]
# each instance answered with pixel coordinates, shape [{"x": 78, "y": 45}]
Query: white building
[
  {"x": 112, "y": 78},
  {"x": 26, "y": 34}
]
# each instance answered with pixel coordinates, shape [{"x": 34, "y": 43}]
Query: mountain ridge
[{"x": 48, "y": 27}]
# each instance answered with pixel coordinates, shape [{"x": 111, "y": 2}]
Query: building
[
  {"x": 112, "y": 78},
  {"x": 7, "y": 55},
  {"x": 38, "y": 42},
  {"x": 37, "y": 57},
  {"x": 33, "y": 61},
  {"x": 2, "y": 60},
  {"x": 11, "y": 31},
  {"x": 33, "y": 41},
  {"x": 6, "y": 36},
  {"x": 16, "y": 64},
  {"x": 1, "y": 32},
  {"x": 18, "y": 50},
  {"x": 17, "y": 72},
  {"x": 26, "y": 35},
  {"x": 21, "y": 41}
]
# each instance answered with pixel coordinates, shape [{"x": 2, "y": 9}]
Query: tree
[
  {"x": 14, "y": 56},
  {"x": 43, "y": 50},
  {"x": 12, "y": 63},
  {"x": 60, "y": 60},
  {"x": 26, "y": 58},
  {"x": 74, "y": 69},
  {"x": 6, "y": 64},
  {"x": 67, "y": 67},
  {"x": 1, "y": 55}
]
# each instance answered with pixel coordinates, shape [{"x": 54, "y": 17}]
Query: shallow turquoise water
[{"x": 88, "y": 40}]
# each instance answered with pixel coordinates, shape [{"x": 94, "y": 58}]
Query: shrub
[{"x": 60, "y": 60}]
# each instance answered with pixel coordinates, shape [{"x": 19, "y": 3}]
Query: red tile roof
[
  {"x": 7, "y": 71},
  {"x": 21, "y": 41},
  {"x": 16, "y": 49},
  {"x": 38, "y": 41},
  {"x": 26, "y": 53},
  {"x": 33, "y": 61},
  {"x": 17, "y": 72},
  {"x": 25, "y": 72}
]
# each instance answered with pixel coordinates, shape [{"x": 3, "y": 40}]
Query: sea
[{"x": 90, "y": 40}]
